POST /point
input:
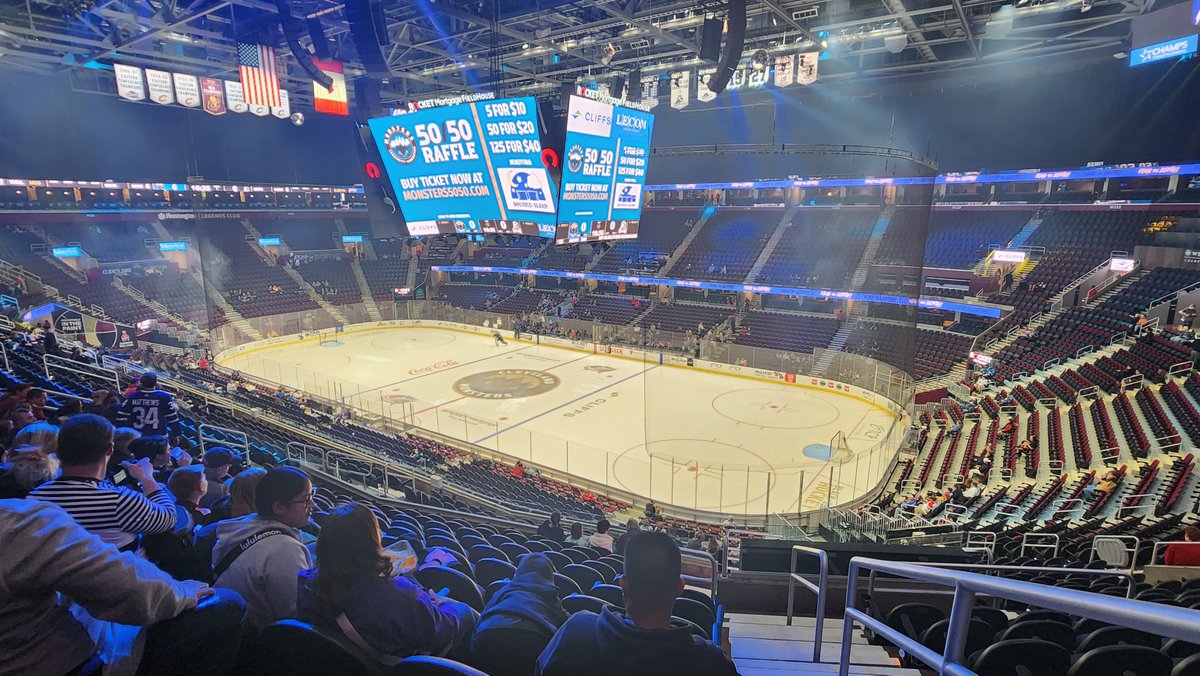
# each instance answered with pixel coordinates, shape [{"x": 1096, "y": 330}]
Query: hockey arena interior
[{"x": 626, "y": 336}]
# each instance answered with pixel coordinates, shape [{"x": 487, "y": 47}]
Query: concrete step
[
  {"x": 782, "y": 632},
  {"x": 802, "y": 651},
  {"x": 751, "y": 667}
]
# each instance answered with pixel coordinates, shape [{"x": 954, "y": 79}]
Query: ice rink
[{"x": 688, "y": 437}]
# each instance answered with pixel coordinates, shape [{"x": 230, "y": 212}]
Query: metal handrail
[
  {"x": 204, "y": 439},
  {"x": 87, "y": 370},
  {"x": 1158, "y": 619},
  {"x": 712, "y": 581},
  {"x": 1164, "y": 543},
  {"x": 818, "y": 589},
  {"x": 725, "y": 544},
  {"x": 1131, "y": 581},
  {"x": 1041, "y": 541}
]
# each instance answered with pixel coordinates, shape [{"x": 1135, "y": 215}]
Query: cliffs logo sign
[
  {"x": 527, "y": 190},
  {"x": 506, "y": 384}
]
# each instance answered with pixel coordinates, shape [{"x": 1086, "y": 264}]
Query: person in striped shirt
[{"x": 118, "y": 515}]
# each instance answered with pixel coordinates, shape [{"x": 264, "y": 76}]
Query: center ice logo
[{"x": 506, "y": 384}]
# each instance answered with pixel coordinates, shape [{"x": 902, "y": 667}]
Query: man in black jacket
[
  {"x": 551, "y": 529},
  {"x": 519, "y": 620},
  {"x": 643, "y": 641}
]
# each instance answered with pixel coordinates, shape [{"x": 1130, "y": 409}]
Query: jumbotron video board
[
  {"x": 606, "y": 153},
  {"x": 469, "y": 168}
]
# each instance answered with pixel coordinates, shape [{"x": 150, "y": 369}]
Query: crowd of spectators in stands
[{"x": 125, "y": 553}]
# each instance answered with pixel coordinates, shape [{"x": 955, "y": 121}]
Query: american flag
[{"x": 260, "y": 81}]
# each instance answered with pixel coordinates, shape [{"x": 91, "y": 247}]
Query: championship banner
[
  {"x": 284, "y": 111},
  {"x": 703, "y": 93},
  {"x": 333, "y": 101},
  {"x": 187, "y": 90},
  {"x": 129, "y": 82},
  {"x": 680, "y": 83},
  {"x": 785, "y": 70},
  {"x": 214, "y": 96},
  {"x": 650, "y": 91},
  {"x": 233, "y": 96},
  {"x": 159, "y": 84},
  {"x": 257, "y": 110},
  {"x": 806, "y": 69}
]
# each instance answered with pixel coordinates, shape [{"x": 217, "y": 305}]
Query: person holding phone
[{"x": 117, "y": 514}]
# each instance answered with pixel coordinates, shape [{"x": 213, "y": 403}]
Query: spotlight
[
  {"x": 761, "y": 60},
  {"x": 895, "y": 43}
]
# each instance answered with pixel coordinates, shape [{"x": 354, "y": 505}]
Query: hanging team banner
[
  {"x": 233, "y": 96},
  {"x": 703, "y": 93},
  {"x": 806, "y": 69},
  {"x": 680, "y": 83},
  {"x": 159, "y": 84},
  {"x": 130, "y": 85},
  {"x": 214, "y": 96},
  {"x": 333, "y": 101},
  {"x": 257, "y": 110},
  {"x": 187, "y": 90},
  {"x": 650, "y": 91},
  {"x": 785, "y": 70},
  {"x": 284, "y": 110}
]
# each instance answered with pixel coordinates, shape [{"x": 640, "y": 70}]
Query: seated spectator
[
  {"x": 19, "y": 416},
  {"x": 644, "y": 641},
  {"x": 37, "y": 403},
  {"x": 1101, "y": 487},
  {"x": 260, "y": 555},
  {"x": 519, "y": 620},
  {"x": 17, "y": 394},
  {"x": 353, "y": 591},
  {"x": 175, "y": 552},
  {"x": 117, "y": 515},
  {"x": 551, "y": 529},
  {"x": 69, "y": 408},
  {"x": 577, "y": 537},
  {"x": 240, "y": 500},
  {"x": 42, "y": 436},
  {"x": 631, "y": 526},
  {"x": 217, "y": 462},
  {"x": 157, "y": 450},
  {"x": 601, "y": 538},
  {"x": 122, "y": 437},
  {"x": 1185, "y": 554},
  {"x": 188, "y": 628},
  {"x": 23, "y": 469}
]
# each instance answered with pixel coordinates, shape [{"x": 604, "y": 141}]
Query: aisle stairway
[
  {"x": 784, "y": 223},
  {"x": 868, "y": 256},
  {"x": 763, "y": 645},
  {"x": 687, "y": 241}
]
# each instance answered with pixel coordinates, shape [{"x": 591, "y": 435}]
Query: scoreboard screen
[
  {"x": 605, "y": 155},
  {"x": 469, "y": 168}
]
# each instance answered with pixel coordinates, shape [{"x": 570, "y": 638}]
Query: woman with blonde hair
[
  {"x": 240, "y": 500},
  {"x": 40, "y": 435},
  {"x": 32, "y": 461}
]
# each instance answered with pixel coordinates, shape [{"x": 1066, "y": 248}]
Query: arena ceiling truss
[{"x": 443, "y": 47}]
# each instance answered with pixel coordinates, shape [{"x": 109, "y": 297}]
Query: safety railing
[
  {"x": 818, "y": 589},
  {"x": 726, "y": 550},
  {"x": 690, "y": 555},
  {"x": 1157, "y": 619},
  {"x": 1161, "y": 545},
  {"x": 1040, "y": 542},
  {"x": 998, "y": 570},
  {"x": 229, "y": 438},
  {"x": 50, "y": 361}
]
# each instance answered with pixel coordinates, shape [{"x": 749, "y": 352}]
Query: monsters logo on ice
[
  {"x": 506, "y": 384},
  {"x": 524, "y": 186},
  {"x": 400, "y": 144},
  {"x": 575, "y": 158}
]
